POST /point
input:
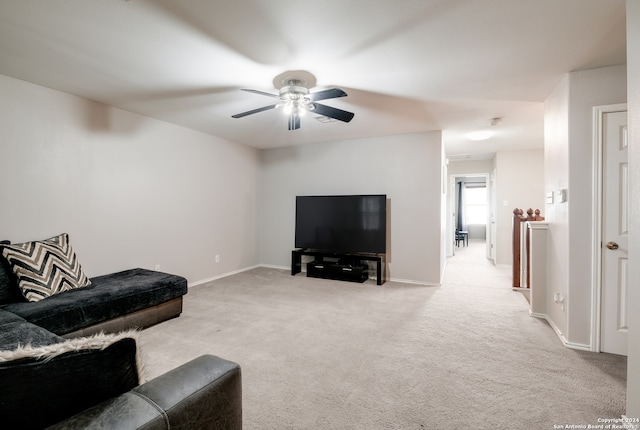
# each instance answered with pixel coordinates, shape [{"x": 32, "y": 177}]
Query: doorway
[{"x": 470, "y": 210}]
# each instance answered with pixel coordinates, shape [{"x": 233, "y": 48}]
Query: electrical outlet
[
  {"x": 217, "y": 258},
  {"x": 157, "y": 267}
]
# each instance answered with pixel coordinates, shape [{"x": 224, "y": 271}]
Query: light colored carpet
[{"x": 322, "y": 354}]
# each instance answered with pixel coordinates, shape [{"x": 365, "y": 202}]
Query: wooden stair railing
[{"x": 518, "y": 220}]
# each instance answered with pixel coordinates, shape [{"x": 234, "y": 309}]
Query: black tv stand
[{"x": 354, "y": 258}]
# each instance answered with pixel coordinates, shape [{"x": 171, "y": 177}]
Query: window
[{"x": 475, "y": 204}]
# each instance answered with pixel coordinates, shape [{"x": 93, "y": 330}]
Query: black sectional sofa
[
  {"x": 132, "y": 298},
  {"x": 70, "y": 360}
]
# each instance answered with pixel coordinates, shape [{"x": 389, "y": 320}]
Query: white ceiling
[{"x": 407, "y": 65}]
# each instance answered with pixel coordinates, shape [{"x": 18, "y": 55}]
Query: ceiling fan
[{"x": 296, "y": 100}]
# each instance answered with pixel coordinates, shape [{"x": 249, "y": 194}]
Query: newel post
[
  {"x": 518, "y": 264},
  {"x": 516, "y": 247}
]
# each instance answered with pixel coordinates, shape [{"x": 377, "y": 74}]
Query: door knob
[{"x": 612, "y": 245}]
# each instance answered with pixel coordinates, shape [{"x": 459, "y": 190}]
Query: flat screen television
[{"x": 348, "y": 224}]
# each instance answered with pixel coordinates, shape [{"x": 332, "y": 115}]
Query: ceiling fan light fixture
[
  {"x": 294, "y": 107},
  {"x": 293, "y": 91},
  {"x": 295, "y": 100}
]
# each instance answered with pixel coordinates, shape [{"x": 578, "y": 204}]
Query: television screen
[{"x": 353, "y": 223}]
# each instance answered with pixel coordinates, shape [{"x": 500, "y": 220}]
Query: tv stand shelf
[{"x": 296, "y": 260}]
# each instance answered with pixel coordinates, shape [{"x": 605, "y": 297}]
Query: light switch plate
[{"x": 562, "y": 195}]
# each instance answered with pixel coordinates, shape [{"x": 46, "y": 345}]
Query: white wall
[
  {"x": 569, "y": 164},
  {"x": 406, "y": 168},
  {"x": 466, "y": 167},
  {"x": 586, "y": 89},
  {"x": 519, "y": 183},
  {"x": 633, "y": 73},
  {"x": 131, "y": 191},
  {"x": 556, "y": 164}
]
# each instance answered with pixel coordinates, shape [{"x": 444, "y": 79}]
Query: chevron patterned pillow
[{"x": 45, "y": 267}]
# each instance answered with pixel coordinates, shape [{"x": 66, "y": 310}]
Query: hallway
[
  {"x": 470, "y": 265},
  {"x": 557, "y": 384}
]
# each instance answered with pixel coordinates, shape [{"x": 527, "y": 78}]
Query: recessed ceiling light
[{"x": 480, "y": 135}]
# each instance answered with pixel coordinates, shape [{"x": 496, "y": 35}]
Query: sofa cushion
[
  {"x": 46, "y": 267},
  {"x": 109, "y": 296},
  {"x": 9, "y": 291},
  {"x": 44, "y": 385},
  {"x": 15, "y": 331}
]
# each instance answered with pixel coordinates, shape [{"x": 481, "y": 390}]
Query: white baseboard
[
  {"x": 411, "y": 281},
  {"x": 287, "y": 268},
  {"x": 563, "y": 339},
  {"x": 273, "y": 266},
  {"x": 220, "y": 276}
]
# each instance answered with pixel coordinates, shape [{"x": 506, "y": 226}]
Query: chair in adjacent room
[{"x": 461, "y": 236}]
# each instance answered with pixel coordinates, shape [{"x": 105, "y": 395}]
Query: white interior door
[{"x": 615, "y": 230}]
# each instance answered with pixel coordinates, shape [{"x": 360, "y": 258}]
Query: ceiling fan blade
[
  {"x": 332, "y": 112},
  {"x": 249, "y": 112},
  {"x": 262, "y": 93},
  {"x": 326, "y": 94},
  {"x": 294, "y": 122}
]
